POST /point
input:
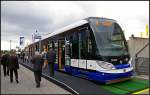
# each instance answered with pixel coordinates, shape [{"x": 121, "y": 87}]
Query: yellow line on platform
[{"x": 140, "y": 92}]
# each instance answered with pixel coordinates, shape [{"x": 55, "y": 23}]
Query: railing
[
  {"x": 141, "y": 63},
  {"x": 142, "y": 66}
]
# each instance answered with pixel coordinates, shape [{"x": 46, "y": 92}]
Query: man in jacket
[
  {"x": 4, "y": 62},
  {"x": 51, "y": 57},
  {"x": 37, "y": 62},
  {"x": 13, "y": 66}
]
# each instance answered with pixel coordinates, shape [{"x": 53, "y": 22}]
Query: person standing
[
  {"x": 4, "y": 62},
  {"x": 51, "y": 57},
  {"x": 13, "y": 66},
  {"x": 44, "y": 54},
  {"x": 26, "y": 59},
  {"x": 37, "y": 62}
]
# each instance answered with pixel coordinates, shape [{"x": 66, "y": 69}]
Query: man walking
[
  {"x": 4, "y": 62},
  {"x": 37, "y": 62},
  {"x": 13, "y": 66},
  {"x": 51, "y": 57}
]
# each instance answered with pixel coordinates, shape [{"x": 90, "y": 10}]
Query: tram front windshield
[{"x": 109, "y": 38}]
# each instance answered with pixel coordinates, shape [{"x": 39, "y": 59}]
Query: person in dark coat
[
  {"x": 4, "y": 62},
  {"x": 51, "y": 58},
  {"x": 37, "y": 62},
  {"x": 13, "y": 66}
]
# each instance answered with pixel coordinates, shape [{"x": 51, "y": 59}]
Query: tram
[{"x": 94, "y": 48}]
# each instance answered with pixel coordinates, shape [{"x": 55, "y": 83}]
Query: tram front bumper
[{"x": 108, "y": 78}]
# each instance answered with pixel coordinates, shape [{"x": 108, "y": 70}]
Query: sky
[{"x": 22, "y": 18}]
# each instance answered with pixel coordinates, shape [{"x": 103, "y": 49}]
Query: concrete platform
[
  {"x": 143, "y": 77},
  {"x": 27, "y": 84}
]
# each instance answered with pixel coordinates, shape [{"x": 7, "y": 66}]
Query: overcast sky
[{"x": 23, "y": 17}]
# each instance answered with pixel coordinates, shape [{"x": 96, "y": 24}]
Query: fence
[{"x": 141, "y": 63}]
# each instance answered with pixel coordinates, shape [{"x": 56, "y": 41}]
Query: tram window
[
  {"x": 90, "y": 46},
  {"x": 117, "y": 37},
  {"x": 83, "y": 45},
  {"x": 75, "y": 46},
  {"x": 56, "y": 51},
  {"x": 71, "y": 40},
  {"x": 86, "y": 42},
  {"x": 56, "y": 44},
  {"x": 36, "y": 47},
  {"x": 50, "y": 45},
  {"x": 53, "y": 44},
  {"x": 67, "y": 42}
]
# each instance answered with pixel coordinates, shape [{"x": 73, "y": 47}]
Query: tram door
[{"x": 61, "y": 54}]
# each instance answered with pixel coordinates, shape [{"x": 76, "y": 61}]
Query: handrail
[{"x": 141, "y": 49}]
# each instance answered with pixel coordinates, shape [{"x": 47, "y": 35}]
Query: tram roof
[
  {"x": 74, "y": 25},
  {"x": 69, "y": 27},
  {"x": 66, "y": 28}
]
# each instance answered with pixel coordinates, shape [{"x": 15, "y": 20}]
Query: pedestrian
[
  {"x": 37, "y": 62},
  {"x": 26, "y": 59},
  {"x": 4, "y": 62},
  {"x": 51, "y": 58},
  {"x": 18, "y": 55},
  {"x": 44, "y": 53},
  {"x": 13, "y": 66},
  {"x": 21, "y": 56}
]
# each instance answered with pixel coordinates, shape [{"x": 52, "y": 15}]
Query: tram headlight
[
  {"x": 126, "y": 59},
  {"x": 106, "y": 65},
  {"x": 121, "y": 61}
]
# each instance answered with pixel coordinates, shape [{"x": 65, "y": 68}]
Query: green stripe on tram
[{"x": 126, "y": 87}]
